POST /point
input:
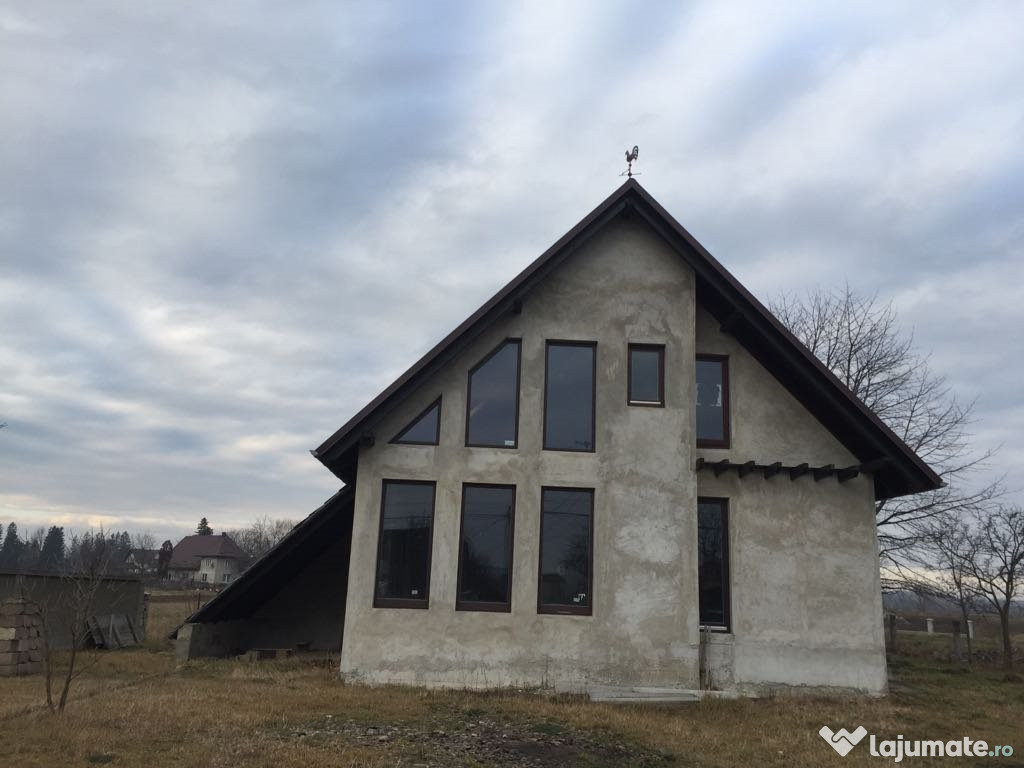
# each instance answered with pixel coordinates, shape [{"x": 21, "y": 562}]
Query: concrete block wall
[{"x": 21, "y": 643}]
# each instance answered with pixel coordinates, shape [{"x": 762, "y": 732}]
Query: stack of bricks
[{"x": 21, "y": 646}]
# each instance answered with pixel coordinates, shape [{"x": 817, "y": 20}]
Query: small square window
[{"x": 646, "y": 375}]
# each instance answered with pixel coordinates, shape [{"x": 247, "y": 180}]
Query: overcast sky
[{"x": 225, "y": 227}]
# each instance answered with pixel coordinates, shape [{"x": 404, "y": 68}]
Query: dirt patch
[{"x": 486, "y": 741}]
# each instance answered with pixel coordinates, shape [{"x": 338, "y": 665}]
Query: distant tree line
[{"x": 53, "y": 550}]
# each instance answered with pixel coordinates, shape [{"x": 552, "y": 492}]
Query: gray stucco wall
[
  {"x": 625, "y": 285},
  {"x": 806, "y": 598},
  {"x": 56, "y": 598}
]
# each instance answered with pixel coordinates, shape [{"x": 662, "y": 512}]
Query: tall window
[
  {"x": 713, "y": 561},
  {"x": 403, "y": 548},
  {"x": 646, "y": 374},
  {"x": 492, "y": 402},
  {"x": 425, "y": 429},
  {"x": 569, "y": 382},
  {"x": 712, "y": 401},
  {"x": 485, "y": 547},
  {"x": 566, "y": 550}
]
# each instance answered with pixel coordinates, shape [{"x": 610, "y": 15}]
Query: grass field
[{"x": 134, "y": 708}]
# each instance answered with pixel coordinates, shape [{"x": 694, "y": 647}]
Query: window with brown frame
[
  {"x": 646, "y": 375},
  {"x": 570, "y": 381},
  {"x": 485, "y": 547},
  {"x": 566, "y": 551},
  {"x": 712, "y": 401},
  {"x": 713, "y": 562},
  {"x": 492, "y": 398},
  {"x": 425, "y": 429},
  {"x": 404, "y": 543}
]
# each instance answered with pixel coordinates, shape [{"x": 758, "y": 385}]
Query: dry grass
[
  {"x": 166, "y": 611},
  {"x": 134, "y": 708}
]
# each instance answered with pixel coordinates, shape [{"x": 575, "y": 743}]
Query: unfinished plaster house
[{"x": 619, "y": 474}]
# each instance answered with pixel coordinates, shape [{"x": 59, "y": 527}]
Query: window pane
[
  {"x": 486, "y": 547},
  {"x": 712, "y": 576},
  {"x": 645, "y": 385},
  {"x": 569, "y": 414},
  {"x": 565, "y": 548},
  {"x": 403, "y": 564},
  {"x": 711, "y": 400},
  {"x": 423, "y": 430},
  {"x": 494, "y": 399}
]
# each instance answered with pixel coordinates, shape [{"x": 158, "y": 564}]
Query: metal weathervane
[{"x": 631, "y": 155}]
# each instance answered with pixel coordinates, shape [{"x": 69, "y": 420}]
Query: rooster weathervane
[{"x": 631, "y": 155}]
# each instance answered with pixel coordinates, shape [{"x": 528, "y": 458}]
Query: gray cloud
[{"x": 223, "y": 231}]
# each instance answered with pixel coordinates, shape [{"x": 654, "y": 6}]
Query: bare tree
[
  {"x": 996, "y": 565},
  {"x": 861, "y": 342},
  {"x": 942, "y": 568},
  {"x": 261, "y": 536},
  {"x": 81, "y": 580}
]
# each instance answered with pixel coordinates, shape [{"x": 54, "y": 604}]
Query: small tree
[
  {"x": 945, "y": 557},
  {"x": 204, "y": 529},
  {"x": 81, "y": 580},
  {"x": 996, "y": 565}
]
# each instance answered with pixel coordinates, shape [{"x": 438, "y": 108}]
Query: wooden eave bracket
[{"x": 842, "y": 474}]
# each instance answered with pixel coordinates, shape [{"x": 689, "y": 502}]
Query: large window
[
  {"x": 713, "y": 561},
  {"x": 566, "y": 550},
  {"x": 492, "y": 402},
  {"x": 485, "y": 547},
  {"x": 569, "y": 378},
  {"x": 646, "y": 375},
  {"x": 712, "y": 401},
  {"x": 403, "y": 549},
  {"x": 425, "y": 429}
]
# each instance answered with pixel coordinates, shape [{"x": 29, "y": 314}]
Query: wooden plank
[
  {"x": 847, "y": 474},
  {"x": 746, "y": 468},
  {"x": 820, "y": 473},
  {"x": 721, "y": 466},
  {"x": 799, "y": 469},
  {"x": 773, "y": 469}
]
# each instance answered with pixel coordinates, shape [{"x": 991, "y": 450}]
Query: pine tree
[
  {"x": 10, "y": 552},
  {"x": 52, "y": 555},
  {"x": 204, "y": 528}
]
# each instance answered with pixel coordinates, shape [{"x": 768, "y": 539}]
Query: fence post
[
  {"x": 970, "y": 629},
  {"x": 955, "y": 640},
  {"x": 892, "y": 631},
  {"x": 931, "y": 625}
]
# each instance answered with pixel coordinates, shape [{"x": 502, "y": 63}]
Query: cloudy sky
[{"x": 225, "y": 227}]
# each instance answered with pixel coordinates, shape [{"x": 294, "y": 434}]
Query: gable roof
[
  {"x": 898, "y": 470},
  {"x": 190, "y": 550}
]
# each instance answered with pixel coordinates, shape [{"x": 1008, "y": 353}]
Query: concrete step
[{"x": 625, "y": 695}]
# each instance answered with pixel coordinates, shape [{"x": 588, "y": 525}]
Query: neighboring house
[
  {"x": 620, "y": 472},
  {"x": 212, "y": 559},
  {"x": 142, "y": 562}
]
